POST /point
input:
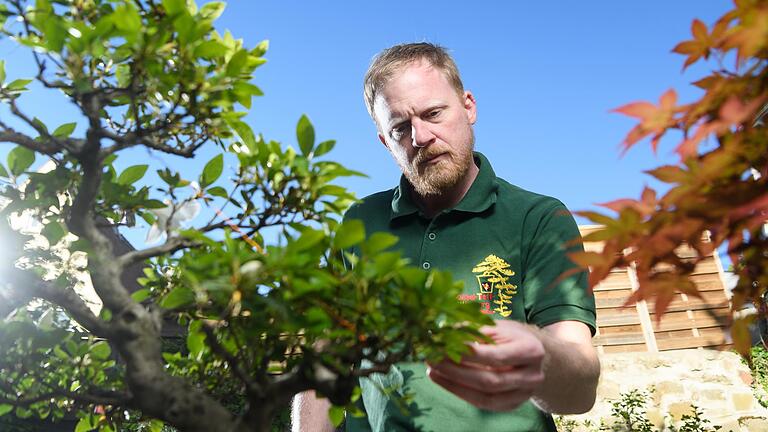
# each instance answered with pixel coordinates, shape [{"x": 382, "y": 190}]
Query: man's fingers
[
  {"x": 488, "y": 380},
  {"x": 505, "y": 401},
  {"x": 505, "y": 355}
]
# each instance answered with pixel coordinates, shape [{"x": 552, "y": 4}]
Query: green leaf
[
  {"x": 212, "y": 170},
  {"x": 218, "y": 191},
  {"x": 243, "y": 131},
  {"x": 154, "y": 204},
  {"x": 53, "y": 232},
  {"x": 127, "y": 19},
  {"x": 85, "y": 424},
  {"x": 305, "y": 134},
  {"x": 5, "y": 409},
  {"x": 195, "y": 339},
  {"x": 18, "y": 85},
  {"x": 308, "y": 239},
  {"x": 336, "y": 414},
  {"x": 19, "y": 159},
  {"x": 323, "y": 148},
  {"x": 180, "y": 296},
  {"x": 211, "y": 49},
  {"x": 2, "y": 71},
  {"x": 236, "y": 63},
  {"x": 172, "y": 7},
  {"x": 212, "y": 10},
  {"x": 132, "y": 174},
  {"x": 65, "y": 130},
  {"x": 378, "y": 242},
  {"x": 156, "y": 426},
  {"x": 260, "y": 49},
  {"x": 140, "y": 295},
  {"x": 3, "y": 172},
  {"x": 349, "y": 233},
  {"x": 100, "y": 350}
]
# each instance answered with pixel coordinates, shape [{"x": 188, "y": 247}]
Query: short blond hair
[{"x": 392, "y": 60}]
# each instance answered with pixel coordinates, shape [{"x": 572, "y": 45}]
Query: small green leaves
[
  {"x": 19, "y": 159},
  {"x": 308, "y": 239},
  {"x": 5, "y": 409},
  {"x": 173, "y": 7},
  {"x": 65, "y": 130},
  {"x": 212, "y": 171},
  {"x": 127, "y": 19},
  {"x": 100, "y": 350},
  {"x": 212, "y": 10},
  {"x": 211, "y": 49},
  {"x": 236, "y": 63},
  {"x": 336, "y": 415},
  {"x": 132, "y": 174},
  {"x": 53, "y": 232},
  {"x": 349, "y": 233},
  {"x": 305, "y": 134},
  {"x": 86, "y": 424},
  {"x": 323, "y": 148},
  {"x": 2, "y": 71},
  {"x": 243, "y": 131},
  {"x": 218, "y": 191},
  {"x": 178, "y": 297},
  {"x": 18, "y": 85},
  {"x": 195, "y": 339}
]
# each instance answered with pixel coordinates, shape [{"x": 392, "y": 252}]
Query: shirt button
[
  {"x": 426, "y": 265},
  {"x": 431, "y": 236}
]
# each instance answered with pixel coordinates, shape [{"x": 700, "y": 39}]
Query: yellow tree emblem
[{"x": 493, "y": 274}]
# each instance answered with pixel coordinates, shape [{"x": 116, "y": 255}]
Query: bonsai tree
[
  {"x": 268, "y": 302},
  {"x": 718, "y": 191}
]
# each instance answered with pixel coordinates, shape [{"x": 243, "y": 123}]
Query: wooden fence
[{"x": 689, "y": 322}]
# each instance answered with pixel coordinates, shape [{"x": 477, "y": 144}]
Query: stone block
[
  {"x": 754, "y": 423},
  {"x": 743, "y": 402},
  {"x": 678, "y": 409},
  {"x": 713, "y": 394},
  {"x": 656, "y": 417},
  {"x": 608, "y": 390},
  {"x": 669, "y": 388},
  {"x": 713, "y": 378},
  {"x": 730, "y": 426}
]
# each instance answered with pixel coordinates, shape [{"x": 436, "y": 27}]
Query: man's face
[{"x": 427, "y": 126}]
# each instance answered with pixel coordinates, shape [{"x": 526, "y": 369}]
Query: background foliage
[{"x": 261, "y": 294}]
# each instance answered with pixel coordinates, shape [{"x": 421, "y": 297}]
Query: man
[{"x": 508, "y": 245}]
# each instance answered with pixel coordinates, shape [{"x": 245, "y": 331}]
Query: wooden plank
[
  {"x": 618, "y": 320},
  {"x": 690, "y": 342},
  {"x": 632, "y": 328},
  {"x": 690, "y": 319},
  {"x": 710, "y": 300},
  {"x": 624, "y": 348},
  {"x": 706, "y": 266},
  {"x": 708, "y": 282},
  {"x": 609, "y": 303},
  {"x": 619, "y": 339}
]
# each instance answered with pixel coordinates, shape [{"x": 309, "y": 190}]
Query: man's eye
[
  {"x": 434, "y": 113},
  {"x": 401, "y": 130}
]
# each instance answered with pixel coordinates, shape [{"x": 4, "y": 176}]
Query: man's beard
[{"x": 436, "y": 178}]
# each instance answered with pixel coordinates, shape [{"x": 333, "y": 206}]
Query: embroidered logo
[{"x": 493, "y": 276}]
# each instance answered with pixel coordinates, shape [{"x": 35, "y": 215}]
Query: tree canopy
[
  {"x": 260, "y": 319},
  {"x": 718, "y": 195}
]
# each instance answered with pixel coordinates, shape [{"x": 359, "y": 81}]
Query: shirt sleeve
[{"x": 553, "y": 286}]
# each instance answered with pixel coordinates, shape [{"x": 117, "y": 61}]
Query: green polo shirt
[{"x": 509, "y": 248}]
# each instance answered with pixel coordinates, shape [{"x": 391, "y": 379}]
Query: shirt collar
[{"x": 480, "y": 196}]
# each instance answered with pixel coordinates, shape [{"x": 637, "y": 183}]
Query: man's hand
[{"x": 557, "y": 366}]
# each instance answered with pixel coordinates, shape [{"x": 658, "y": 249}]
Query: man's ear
[
  {"x": 470, "y": 105},
  {"x": 383, "y": 141}
]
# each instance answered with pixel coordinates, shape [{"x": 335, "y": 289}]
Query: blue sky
[{"x": 545, "y": 76}]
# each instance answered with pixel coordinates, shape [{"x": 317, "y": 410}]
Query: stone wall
[{"x": 717, "y": 382}]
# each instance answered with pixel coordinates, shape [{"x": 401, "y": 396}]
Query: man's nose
[{"x": 421, "y": 133}]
